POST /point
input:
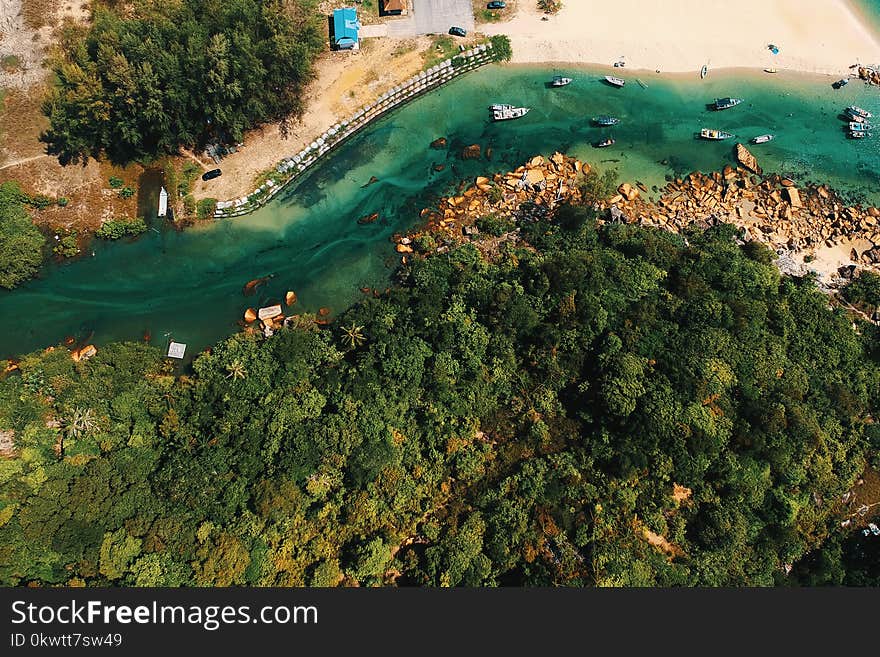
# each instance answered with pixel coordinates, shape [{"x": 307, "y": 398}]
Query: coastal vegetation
[
  {"x": 114, "y": 229},
  {"x": 597, "y": 405},
  {"x": 21, "y": 243},
  {"x": 144, "y": 80}
]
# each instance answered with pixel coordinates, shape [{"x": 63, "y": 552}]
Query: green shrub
[
  {"x": 595, "y": 186},
  {"x": 126, "y": 192},
  {"x": 66, "y": 246},
  {"x": 205, "y": 208},
  {"x": 425, "y": 243},
  {"x": 39, "y": 201},
  {"x": 190, "y": 172},
  {"x": 501, "y": 50},
  {"x": 492, "y": 225},
  {"x": 115, "y": 182},
  {"x": 62, "y": 201},
  {"x": 115, "y": 229},
  {"x": 864, "y": 290},
  {"x": 21, "y": 243},
  {"x": 189, "y": 203}
]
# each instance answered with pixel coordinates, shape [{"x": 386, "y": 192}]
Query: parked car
[
  {"x": 496, "y": 5},
  {"x": 210, "y": 175},
  {"x": 458, "y": 31}
]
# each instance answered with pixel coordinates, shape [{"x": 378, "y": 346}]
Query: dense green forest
[
  {"x": 615, "y": 406},
  {"x": 147, "y": 78},
  {"x": 21, "y": 243}
]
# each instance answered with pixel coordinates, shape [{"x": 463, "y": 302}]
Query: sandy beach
[{"x": 676, "y": 36}]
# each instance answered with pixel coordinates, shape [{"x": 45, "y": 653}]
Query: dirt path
[{"x": 23, "y": 160}]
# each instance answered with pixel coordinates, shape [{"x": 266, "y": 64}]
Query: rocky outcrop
[
  {"x": 870, "y": 75},
  {"x": 439, "y": 143},
  {"x": 793, "y": 221},
  {"x": 747, "y": 160}
]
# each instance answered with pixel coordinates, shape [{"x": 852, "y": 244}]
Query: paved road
[{"x": 433, "y": 17}]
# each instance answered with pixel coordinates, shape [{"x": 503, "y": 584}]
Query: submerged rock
[
  {"x": 439, "y": 143},
  {"x": 471, "y": 152}
]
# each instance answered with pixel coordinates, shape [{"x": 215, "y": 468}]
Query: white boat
[
  {"x": 852, "y": 110},
  {"x": 762, "y": 139},
  {"x": 604, "y": 143},
  {"x": 704, "y": 71},
  {"x": 510, "y": 113},
  {"x": 857, "y": 119},
  {"x": 858, "y": 134},
  {"x": 613, "y": 81},
  {"x": 858, "y": 127},
  {"x": 605, "y": 120},
  {"x": 559, "y": 81},
  {"x": 499, "y": 107},
  {"x": 770, "y": 70},
  {"x": 726, "y": 103},
  {"x": 714, "y": 135}
]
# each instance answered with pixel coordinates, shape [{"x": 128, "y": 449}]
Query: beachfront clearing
[
  {"x": 344, "y": 81},
  {"x": 818, "y": 36}
]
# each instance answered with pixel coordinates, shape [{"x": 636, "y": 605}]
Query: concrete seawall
[{"x": 291, "y": 168}]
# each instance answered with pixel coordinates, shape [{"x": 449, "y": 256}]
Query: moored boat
[
  {"x": 770, "y": 70},
  {"x": 857, "y": 119},
  {"x": 559, "y": 81},
  {"x": 509, "y": 113},
  {"x": 498, "y": 107},
  {"x": 605, "y": 120},
  {"x": 842, "y": 82},
  {"x": 614, "y": 82},
  {"x": 858, "y": 134},
  {"x": 859, "y": 127},
  {"x": 704, "y": 71},
  {"x": 852, "y": 110},
  {"x": 726, "y": 103},
  {"x": 714, "y": 135},
  {"x": 762, "y": 139},
  {"x": 608, "y": 141}
]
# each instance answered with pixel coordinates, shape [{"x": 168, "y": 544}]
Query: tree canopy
[
  {"x": 618, "y": 406},
  {"x": 142, "y": 82},
  {"x": 21, "y": 243}
]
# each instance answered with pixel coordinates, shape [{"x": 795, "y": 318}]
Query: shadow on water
[{"x": 149, "y": 184}]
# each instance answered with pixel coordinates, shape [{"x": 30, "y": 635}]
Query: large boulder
[{"x": 747, "y": 160}]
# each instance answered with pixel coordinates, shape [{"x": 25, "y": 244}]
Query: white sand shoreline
[{"x": 822, "y": 37}]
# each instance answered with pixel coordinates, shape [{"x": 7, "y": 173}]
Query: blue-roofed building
[{"x": 345, "y": 28}]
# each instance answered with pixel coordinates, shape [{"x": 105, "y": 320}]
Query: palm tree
[
  {"x": 236, "y": 370},
  {"x": 354, "y": 335},
  {"x": 81, "y": 422}
]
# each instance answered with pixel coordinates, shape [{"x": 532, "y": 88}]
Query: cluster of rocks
[
  {"x": 870, "y": 75},
  {"x": 524, "y": 194},
  {"x": 269, "y": 319},
  {"x": 771, "y": 209}
]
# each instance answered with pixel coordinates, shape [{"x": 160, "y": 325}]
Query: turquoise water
[
  {"x": 871, "y": 9},
  {"x": 187, "y": 286}
]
